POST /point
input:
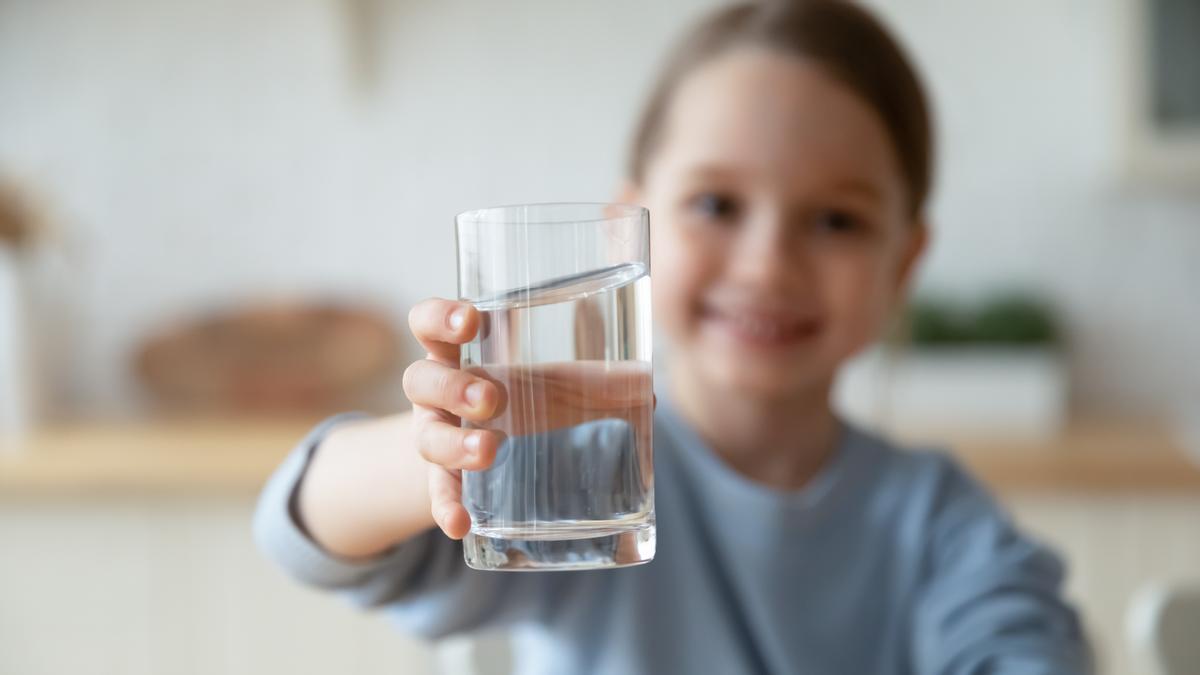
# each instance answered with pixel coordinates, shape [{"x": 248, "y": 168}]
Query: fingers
[
  {"x": 442, "y": 325},
  {"x": 445, "y": 502},
  {"x": 455, "y": 448},
  {"x": 435, "y": 385}
]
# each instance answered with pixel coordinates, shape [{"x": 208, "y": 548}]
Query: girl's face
[{"x": 781, "y": 235}]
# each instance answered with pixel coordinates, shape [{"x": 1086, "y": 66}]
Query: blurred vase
[{"x": 16, "y": 392}]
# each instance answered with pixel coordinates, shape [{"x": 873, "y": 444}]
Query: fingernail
[
  {"x": 475, "y": 394},
  {"x": 471, "y": 443},
  {"x": 457, "y": 318}
]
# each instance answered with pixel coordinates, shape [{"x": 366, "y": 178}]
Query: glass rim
[{"x": 629, "y": 211}]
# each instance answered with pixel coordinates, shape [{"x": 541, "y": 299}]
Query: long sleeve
[
  {"x": 992, "y": 599},
  {"x": 423, "y": 582}
]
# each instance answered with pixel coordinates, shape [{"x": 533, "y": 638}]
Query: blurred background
[{"x": 215, "y": 216}]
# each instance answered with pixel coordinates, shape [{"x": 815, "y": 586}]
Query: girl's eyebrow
[
  {"x": 859, "y": 187},
  {"x": 713, "y": 172},
  {"x": 846, "y": 185}
]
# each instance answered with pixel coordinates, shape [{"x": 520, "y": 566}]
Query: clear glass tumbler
[{"x": 564, "y": 294}]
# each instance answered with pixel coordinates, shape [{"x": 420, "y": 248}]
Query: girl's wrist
[{"x": 366, "y": 490}]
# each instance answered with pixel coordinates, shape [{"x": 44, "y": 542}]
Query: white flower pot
[{"x": 1011, "y": 392}]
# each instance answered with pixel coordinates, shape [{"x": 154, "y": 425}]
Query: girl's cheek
[
  {"x": 678, "y": 279},
  {"x": 858, "y": 303}
]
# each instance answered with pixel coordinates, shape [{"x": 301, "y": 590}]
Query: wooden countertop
[
  {"x": 149, "y": 457},
  {"x": 1102, "y": 456},
  {"x": 236, "y": 457}
]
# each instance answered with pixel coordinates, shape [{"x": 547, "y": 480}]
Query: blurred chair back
[{"x": 1163, "y": 624}]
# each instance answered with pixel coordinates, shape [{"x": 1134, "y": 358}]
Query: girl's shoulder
[
  {"x": 925, "y": 481},
  {"x": 902, "y": 461}
]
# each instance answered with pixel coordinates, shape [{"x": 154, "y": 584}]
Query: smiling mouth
[{"x": 762, "y": 329}]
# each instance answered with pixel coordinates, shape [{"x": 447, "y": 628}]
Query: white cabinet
[
  {"x": 1113, "y": 545},
  {"x": 170, "y": 585},
  {"x": 166, "y": 586}
]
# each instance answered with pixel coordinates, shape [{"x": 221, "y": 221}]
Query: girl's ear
[{"x": 914, "y": 250}]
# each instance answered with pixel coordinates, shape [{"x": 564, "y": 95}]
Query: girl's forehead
[{"x": 758, "y": 110}]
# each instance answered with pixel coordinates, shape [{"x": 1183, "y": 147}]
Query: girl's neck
[{"x": 780, "y": 441}]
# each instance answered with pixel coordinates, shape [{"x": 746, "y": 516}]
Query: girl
[{"x": 786, "y": 158}]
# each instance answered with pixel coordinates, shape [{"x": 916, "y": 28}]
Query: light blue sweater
[{"x": 889, "y": 561}]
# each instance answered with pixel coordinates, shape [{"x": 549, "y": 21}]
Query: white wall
[
  {"x": 1031, "y": 96},
  {"x": 198, "y": 152}
]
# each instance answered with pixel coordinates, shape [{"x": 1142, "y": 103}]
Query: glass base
[{"x": 565, "y": 548}]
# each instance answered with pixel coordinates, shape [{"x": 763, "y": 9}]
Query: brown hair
[{"x": 843, "y": 38}]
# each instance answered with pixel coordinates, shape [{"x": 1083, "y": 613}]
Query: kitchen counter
[
  {"x": 163, "y": 511},
  {"x": 236, "y": 457},
  {"x": 1089, "y": 456},
  {"x": 148, "y": 457}
]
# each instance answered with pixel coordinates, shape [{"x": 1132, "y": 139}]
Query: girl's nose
[{"x": 767, "y": 253}]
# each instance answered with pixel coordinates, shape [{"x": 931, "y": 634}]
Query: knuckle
[
  {"x": 448, "y": 448},
  {"x": 411, "y": 375},
  {"x": 423, "y": 445},
  {"x": 438, "y": 511},
  {"x": 448, "y": 385},
  {"x": 445, "y": 515},
  {"x": 439, "y": 444},
  {"x": 406, "y": 379},
  {"x": 418, "y": 316}
]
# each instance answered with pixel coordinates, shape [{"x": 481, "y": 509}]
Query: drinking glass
[{"x": 563, "y": 292}]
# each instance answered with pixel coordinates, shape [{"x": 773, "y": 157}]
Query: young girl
[{"x": 785, "y": 157}]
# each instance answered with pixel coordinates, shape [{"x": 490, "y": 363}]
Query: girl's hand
[
  {"x": 522, "y": 399},
  {"x": 442, "y": 396}
]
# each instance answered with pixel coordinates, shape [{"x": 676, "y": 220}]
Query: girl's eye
[
  {"x": 837, "y": 222},
  {"x": 715, "y": 206}
]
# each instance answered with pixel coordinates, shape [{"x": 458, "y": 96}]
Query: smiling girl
[{"x": 785, "y": 156}]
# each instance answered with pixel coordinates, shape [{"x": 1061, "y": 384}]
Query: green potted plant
[{"x": 991, "y": 367}]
